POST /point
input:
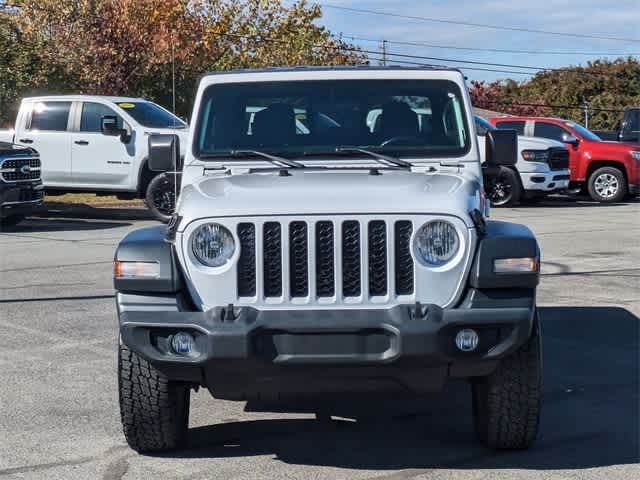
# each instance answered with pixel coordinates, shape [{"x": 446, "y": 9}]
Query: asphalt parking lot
[{"x": 59, "y": 414}]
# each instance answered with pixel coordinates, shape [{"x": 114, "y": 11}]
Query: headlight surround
[
  {"x": 212, "y": 244},
  {"x": 635, "y": 154},
  {"x": 436, "y": 243},
  {"x": 536, "y": 155}
]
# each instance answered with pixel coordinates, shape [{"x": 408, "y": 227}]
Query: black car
[{"x": 21, "y": 189}]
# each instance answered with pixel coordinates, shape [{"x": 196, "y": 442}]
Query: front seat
[
  {"x": 397, "y": 120},
  {"x": 275, "y": 125}
]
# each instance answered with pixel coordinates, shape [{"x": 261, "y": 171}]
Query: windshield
[
  {"x": 410, "y": 118},
  {"x": 151, "y": 115},
  {"x": 583, "y": 132}
]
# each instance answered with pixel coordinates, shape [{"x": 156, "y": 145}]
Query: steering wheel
[{"x": 401, "y": 140}]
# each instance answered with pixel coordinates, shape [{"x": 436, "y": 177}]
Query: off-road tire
[
  {"x": 160, "y": 197},
  {"x": 506, "y": 404},
  {"x": 597, "y": 192},
  {"x": 11, "y": 221},
  {"x": 153, "y": 410},
  {"x": 505, "y": 180}
]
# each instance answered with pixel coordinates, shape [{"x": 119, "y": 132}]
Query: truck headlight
[
  {"x": 212, "y": 244},
  {"x": 436, "y": 243},
  {"x": 635, "y": 154},
  {"x": 536, "y": 155}
]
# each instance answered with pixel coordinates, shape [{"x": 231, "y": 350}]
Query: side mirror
[
  {"x": 109, "y": 127},
  {"x": 570, "y": 139},
  {"x": 501, "y": 148},
  {"x": 164, "y": 153}
]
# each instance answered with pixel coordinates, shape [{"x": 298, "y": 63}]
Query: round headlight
[
  {"x": 436, "y": 243},
  {"x": 212, "y": 244}
]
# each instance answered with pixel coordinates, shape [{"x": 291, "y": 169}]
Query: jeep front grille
[
  {"x": 20, "y": 169},
  {"x": 325, "y": 259}
]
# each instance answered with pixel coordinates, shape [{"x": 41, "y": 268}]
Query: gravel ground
[{"x": 59, "y": 415}]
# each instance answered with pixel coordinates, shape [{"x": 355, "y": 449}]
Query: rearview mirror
[
  {"x": 164, "y": 153},
  {"x": 501, "y": 148},
  {"x": 570, "y": 139}
]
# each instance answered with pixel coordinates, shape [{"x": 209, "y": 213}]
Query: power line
[
  {"x": 479, "y": 25},
  {"x": 386, "y": 57},
  {"x": 490, "y": 64},
  {"x": 478, "y": 49},
  {"x": 421, "y": 64},
  {"x": 539, "y": 105}
]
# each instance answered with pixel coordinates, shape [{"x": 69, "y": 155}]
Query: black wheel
[
  {"x": 506, "y": 404},
  {"x": 607, "y": 184},
  {"x": 161, "y": 196},
  {"x": 503, "y": 189},
  {"x": 153, "y": 410},
  {"x": 11, "y": 221}
]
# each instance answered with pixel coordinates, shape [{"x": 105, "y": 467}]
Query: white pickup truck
[
  {"x": 98, "y": 144},
  {"x": 542, "y": 168}
]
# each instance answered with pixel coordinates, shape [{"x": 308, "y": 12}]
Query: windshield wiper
[
  {"x": 384, "y": 159},
  {"x": 278, "y": 161}
]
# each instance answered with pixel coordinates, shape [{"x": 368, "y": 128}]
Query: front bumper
[
  {"x": 551, "y": 181},
  {"x": 20, "y": 198},
  {"x": 256, "y": 352}
]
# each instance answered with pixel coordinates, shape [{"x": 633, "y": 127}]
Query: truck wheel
[
  {"x": 161, "y": 197},
  {"x": 11, "y": 221},
  {"x": 506, "y": 404},
  {"x": 503, "y": 189},
  {"x": 153, "y": 410},
  {"x": 607, "y": 184}
]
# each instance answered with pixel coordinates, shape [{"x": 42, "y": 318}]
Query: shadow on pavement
[
  {"x": 557, "y": 201},
  {"x": 60, "y": 217},
  {"x": 590, "y": 414}
]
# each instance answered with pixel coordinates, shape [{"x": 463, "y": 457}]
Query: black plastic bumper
[
  {"x": 20, "y": 198},
  {"x": 249, "y": 351}
]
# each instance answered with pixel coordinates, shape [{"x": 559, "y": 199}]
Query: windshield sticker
[{"x": 126, "y": 106}]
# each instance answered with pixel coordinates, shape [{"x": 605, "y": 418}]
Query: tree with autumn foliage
[
  {"x": 131, "y": 47},
  {"x": 609, "y": 86}
]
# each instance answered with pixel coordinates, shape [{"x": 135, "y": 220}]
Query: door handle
[
  {"x": 81, "y": 142},
  {"x": 25, "y": 140}
]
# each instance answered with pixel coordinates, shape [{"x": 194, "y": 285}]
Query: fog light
[
  {"x": 467, "y": 340},
  {"x": 182, "y": 343}
]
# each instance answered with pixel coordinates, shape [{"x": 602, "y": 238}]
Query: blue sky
[{"x": 616, "y": 19}]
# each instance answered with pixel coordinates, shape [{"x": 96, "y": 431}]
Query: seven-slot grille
[
  {"x": 558, "y": 159},
  {"x": 20, "y": 169},
  {"x": 334, "y": 251}
]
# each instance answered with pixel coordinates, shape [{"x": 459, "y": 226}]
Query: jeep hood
[{"x": 319, "y": 192}]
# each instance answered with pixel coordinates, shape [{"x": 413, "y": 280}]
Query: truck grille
[
  {"x": 20, "y": 169},
  {"x": 558, "y": 159},
  {"x": 325, "y": 259}
]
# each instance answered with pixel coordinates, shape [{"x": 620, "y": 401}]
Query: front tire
[
  {"x": 506, "y": 404},
  {"x": 503, "y": 189},
  {"x": 161, "y": 197},
  {"x": 607, "y": 185},
  {"x": 154, "y": 411}
]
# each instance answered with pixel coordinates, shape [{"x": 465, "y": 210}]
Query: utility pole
[
  {"x": 585, "y": 105},
  {"x": 383, "y": 47},
  {"x": 173, "y": 74}
]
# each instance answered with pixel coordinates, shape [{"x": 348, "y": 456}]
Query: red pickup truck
[{"x": 608, "y": 170}]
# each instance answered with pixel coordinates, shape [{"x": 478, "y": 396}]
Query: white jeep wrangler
[{"x": 311, "y": 257}]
